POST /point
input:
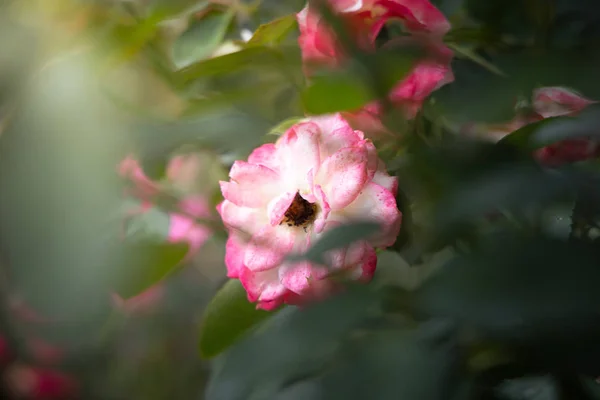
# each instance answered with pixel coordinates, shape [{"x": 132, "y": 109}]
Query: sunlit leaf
[
  {"x": 274, "y": 31},
  {"x": 201, "y": 38}
]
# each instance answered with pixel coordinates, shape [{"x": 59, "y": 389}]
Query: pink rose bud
[
  {"x": 556, "y": 101},
  {"x": 318, "y": 175},
  {"x": 365, "y": 20}
]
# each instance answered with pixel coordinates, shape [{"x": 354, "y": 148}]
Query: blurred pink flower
[
  {"x": 550, "y": 102},
  {"x": 6, "y": 354},
  {"x": 365, "y": 20},
  {"x": 318, "y": 175},
  {"x": 182, "y": 171},
  {"x": 44, "y": 352},
  {"x": 40, "y": 384},
  {"x": 182, "y": 227}
]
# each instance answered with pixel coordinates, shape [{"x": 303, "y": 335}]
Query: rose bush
[
  {"x": 319, "y": 174},
  {"x": 366, "y": 20}
]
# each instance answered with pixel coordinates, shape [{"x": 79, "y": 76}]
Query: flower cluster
[
  {"x": 321, "y": 173},
  {"x": 367, "y": 20}
]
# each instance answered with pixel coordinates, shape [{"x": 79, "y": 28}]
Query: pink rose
[
  {"x": 318, "y": 175},
  {"x": 365, "y": 19}
]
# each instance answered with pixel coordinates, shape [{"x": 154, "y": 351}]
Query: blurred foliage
[{"x": 490, "y": 291}]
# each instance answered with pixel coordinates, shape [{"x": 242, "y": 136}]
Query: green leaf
[
  {"x": 202, "y": 38},
  {"x": 525, "y": 290},
  {"x": 471, "y": 55},
  {"x": 256, "y": 56},
  {"x": 337, "y": 237},
  {"x": 369, "y": 77},
  {"x": 148, "y": 263},
  {"x": 274, "y": 31},
  {"x": 227, "y": 317},
  {"x": 336, "y": 91},
  {"x": 395, "y": 365}
]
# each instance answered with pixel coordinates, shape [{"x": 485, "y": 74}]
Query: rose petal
[
  {"x": 251, "y": 185},
  {"x": 268, "y": 247},
  {"x": 300, "y": 153},
  {"x": 343, "y": 175},
  {"x": 278, "y": 206},
  {"x": 262, "y": 286},
  {"x": 379, "y": 204},
  {"x": 417, "y": 15},
  {"x": 235, "y": 249},
  {"x": 265, "y": 155}
]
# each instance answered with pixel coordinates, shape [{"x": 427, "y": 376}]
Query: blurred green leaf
[
  {"x": 202, "y": 38},
  {"x": 336, "y": 91},
  {"x": 256, "y": 56},
  {"x": 153, "y": 223},
  {"x": 473, "y": 56},
  {"x": 533, "y": 291},
  {"x": 367, "y": 78},
  {"x": 292, "y": 344},
  {"x": 148, "y": 263},
  {"x": 394, "y": 365},
  {"x": 335, "y": 238},
  {"x": 227, "y": 317},
  {"x": 510, "y": 187},
  {"x": 274, "y": 31}
]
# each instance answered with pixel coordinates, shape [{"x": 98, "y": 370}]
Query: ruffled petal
[
  {"x": 378, "y": 204},
  {"x": 243, "y": 219},
  {"x": 418, "y": 15},
  {"x": 268, "y": 247},
  {"x": 234, "y": 255},
  {"x": 299, "y": 148},
  {"x": 265, "y": 155},
  {"x": 251, "y": 185},
  {"x": 323, "y": 210},
  {"x": 263, "y": 286},
  {"x": 278, "y": 206},
  {"x": 343, "y": 175},
  {"x": 336, "y": 133}
]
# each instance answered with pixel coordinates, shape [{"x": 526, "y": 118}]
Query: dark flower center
[{"x": 300, "y": 212}]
